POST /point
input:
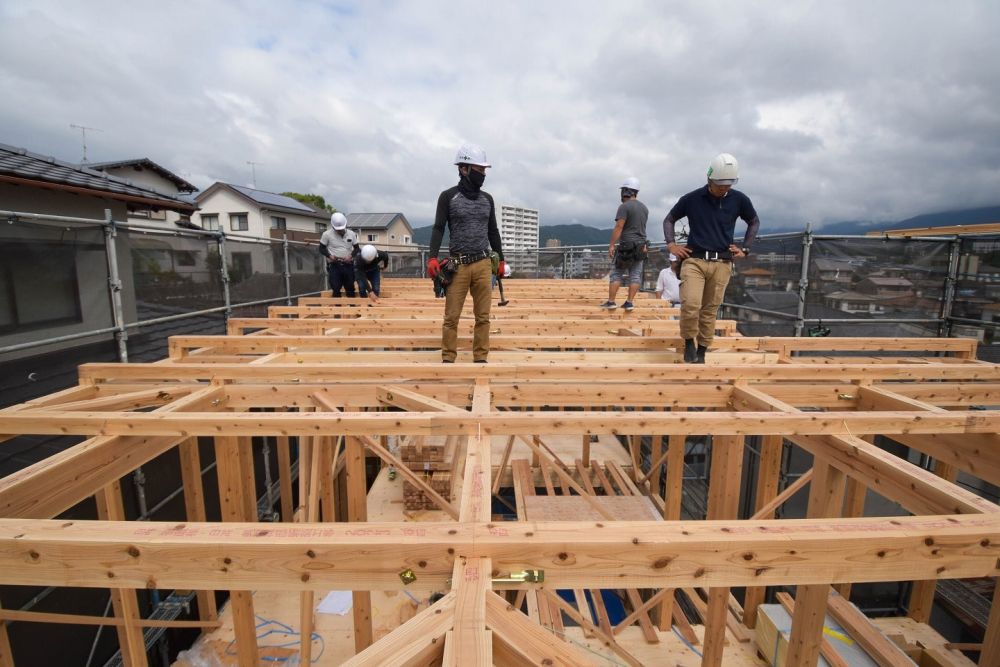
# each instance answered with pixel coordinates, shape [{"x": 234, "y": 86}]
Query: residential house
[
  {"x": 885, "y": 287},
  {"x": 389, "y": 231},
  {"x": 242, "y": 212},
  {"x": 145, "y": 173},
  {"x": 757, "y": 278},
  {"x": 54, "y": 276}
]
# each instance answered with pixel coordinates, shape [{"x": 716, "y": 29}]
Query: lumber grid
[{"x": 339, "y": 381}]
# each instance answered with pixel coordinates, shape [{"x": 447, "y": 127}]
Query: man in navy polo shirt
[{"x": 707, "y": 258}]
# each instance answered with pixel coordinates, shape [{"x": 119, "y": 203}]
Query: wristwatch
[{"x": 745, "y": 250}]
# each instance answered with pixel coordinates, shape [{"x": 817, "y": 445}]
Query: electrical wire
[{"x": 283, "y": 629}]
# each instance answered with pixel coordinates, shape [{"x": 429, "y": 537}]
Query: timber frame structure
[{"x": 336, "y": 381}]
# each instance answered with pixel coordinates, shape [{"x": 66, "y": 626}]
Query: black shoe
[
  {"x": 479, "y": 361},
  {"x": 690, "y": 351},
  {"x": 700, "y": 354},
  {"x": 447, "y": 361}
]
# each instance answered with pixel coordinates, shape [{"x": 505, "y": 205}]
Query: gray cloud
[{"x": 849, "y": 110}]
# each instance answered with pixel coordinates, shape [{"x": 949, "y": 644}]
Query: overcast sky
[{"x": 839, "y": 110}]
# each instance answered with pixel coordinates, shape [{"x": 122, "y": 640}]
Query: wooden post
[
  {"x": 922, "y": 593},
  {"x": 230, "y": 468},
  {"x": 990, "y": 655},
  {"x": 194, "y": 507},
  {"x": 283, "y": 447},
  {"x": 357, "y": 510},
  {"x": 6, "y": 654},
  {"x": 826, "y": 498},
  {"x": 130, "y": 637},
  {"x": 768, "y": 478},
  {"x": 723, "y": 503},
  {"x": 854, "y": 506}
]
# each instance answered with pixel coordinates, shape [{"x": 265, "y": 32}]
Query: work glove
[
  {"x": 433, "y": 267},
  {"x": 501, "y": 269}
]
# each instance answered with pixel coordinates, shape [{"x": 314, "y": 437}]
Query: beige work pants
[
  {"x": 474, "y": 278},
  {"x": 703, "y": 285}
]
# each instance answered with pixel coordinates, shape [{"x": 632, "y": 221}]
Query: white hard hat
[
  {"x": 472, "y": 154},
  {"x": 507, "y": 270},
  {"x": 368, "y": 252},
  {"x": 632, "y": 183},
  {"x": 338, "y": 221},
  {"x": 724, "y": 169}
]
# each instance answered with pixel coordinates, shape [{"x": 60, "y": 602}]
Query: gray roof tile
[{"x": 21, "y": 163}]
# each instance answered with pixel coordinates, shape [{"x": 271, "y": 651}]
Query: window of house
[
  {"x": 278, "y": 223},
  {"x": 184, "y": 257},
  {"x": 238, "y": 222},
  {"x": 27, "y": 302},
  {"x": 320, "y": 227},
  {"x": 372, "y": 238},
  {"x": 241, "y": 266},
  {"x": 298, "y": 262},
  {"x": 406, "y": 239},
  {"x": 392, "y": 237},
  {"x": 210, "y": 222}
]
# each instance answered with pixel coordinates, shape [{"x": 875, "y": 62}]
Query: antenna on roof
[
  {"x": 253, "y": 171},
  {"x": 83, "y": 134}
]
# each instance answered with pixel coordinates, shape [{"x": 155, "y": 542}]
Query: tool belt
[
  {"x": 629, "y": 252},
  {"x": 470, "y": 258},
  {"x": 338, "y": 260},
  {"x": 711, "y": 255}
]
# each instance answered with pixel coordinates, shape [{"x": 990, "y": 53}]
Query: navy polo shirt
[{"x": 712, "y": 220}]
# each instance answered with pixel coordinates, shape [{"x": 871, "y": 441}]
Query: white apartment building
[{"x": 519, "y": 231}]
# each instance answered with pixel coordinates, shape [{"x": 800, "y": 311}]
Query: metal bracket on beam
[{"x": 524, "y": 577}]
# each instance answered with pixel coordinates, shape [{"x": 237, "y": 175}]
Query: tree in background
[{"x": 316, "y": 201}]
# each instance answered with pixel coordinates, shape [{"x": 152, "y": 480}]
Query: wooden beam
[
  {"x": 627, "y": 554},
  {"x": 606, "y": 638},
  {"x": 411, "y": 401},
  {"x": 916, "y": 489},
  {"x": 471, "y": 638},
  {"x": 881, "y": 649},
  {"x": 519, "y": 641},
  {"x": 83, "y": 619},
  {"x": 419, "y": 641},
  {"x": 412, "y": 477},
  {"x": 528, "y": 423},
  {"x": 768, "y": 509},
  {"x": 283, "y": 447}
]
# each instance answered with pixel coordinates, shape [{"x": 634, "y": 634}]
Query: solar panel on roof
[{"x": 273, "y": 199}]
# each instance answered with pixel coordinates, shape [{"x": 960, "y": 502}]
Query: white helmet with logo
[
  {"x": 631, "y": 183},
  {"x": 338, "y": 221},
  {"x": 724, "y": 170},
  {"x": 472, "y": 154},
  {"x": 369, "y": 253},
  {"x": 507, "y": 270}
]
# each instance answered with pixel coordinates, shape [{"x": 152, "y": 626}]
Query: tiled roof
[
  {"x": 20, "y": 163},
  {"x": 182, "y": 185}
]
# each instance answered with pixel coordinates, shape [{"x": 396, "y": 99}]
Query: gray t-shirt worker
[{"x": 627, "y": 247}]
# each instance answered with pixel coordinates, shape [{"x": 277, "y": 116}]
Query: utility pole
[
  {"x": 253, "y": 171},
  {"x": 83, "y": 134}
]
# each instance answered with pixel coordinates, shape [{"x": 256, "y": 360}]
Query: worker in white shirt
[{"x": 668, "y": 285}]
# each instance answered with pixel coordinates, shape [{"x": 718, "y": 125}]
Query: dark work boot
[
  {"x": 690, "y": 352},
  {"x": 700, "y": 354}
]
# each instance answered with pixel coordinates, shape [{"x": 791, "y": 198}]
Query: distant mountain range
[{"x": 586, "y": 235}]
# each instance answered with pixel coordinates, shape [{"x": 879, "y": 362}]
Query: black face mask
[{"x": 475, "y": 178}]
